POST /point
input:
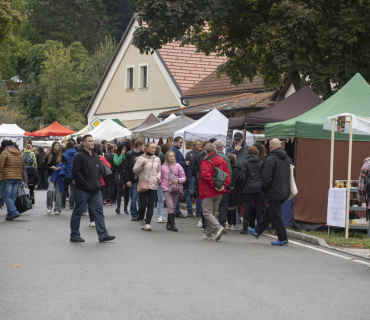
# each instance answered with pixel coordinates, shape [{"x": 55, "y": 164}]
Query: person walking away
[
  {"x": 54, "y": 157},
  {"x": 132, "y": 178},
  {"x": 160, "y": 196},
  {"x": 177, "y": 145},
  {"x": 29, "y": 154},
  {"x": 239, "y": 148},
  {"x": 148, "y": 166},
  {"x": 109, "y": 187},
  {"x": 209, "y": 193},
  {"x": 87, "y": 173},
  {"x": 11, "y": 176},
  {"x": 68, "y": 181},
  {"x": 276, "y": 187},
  {"x": 33, "y": 179},
  {"x": 119, "y": 164},
  {"x": 191, "y": 174},
  {"x": 172, "y": 173},
  {"x": 223, "y": 206},
  {"x": 235, "y": 193}
]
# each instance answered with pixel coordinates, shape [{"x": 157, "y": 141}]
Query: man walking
[
  {"x": 223, "y": 206},
  {"x": 177, "y": 145},
  {"x": 276, "y": 187},
  {"x": 87, "y": 174},
  {"x": 68, "y": 179}
]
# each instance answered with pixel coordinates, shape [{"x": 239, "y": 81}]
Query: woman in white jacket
[{"x": 148, "y": 166}]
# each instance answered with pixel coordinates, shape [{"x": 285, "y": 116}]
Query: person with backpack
[
  {"x": 33, "y": 178},
  {"x": 209, "y": 193},
  {"x": 28, "y": 154},
  {"x": 252, "y": 181}
]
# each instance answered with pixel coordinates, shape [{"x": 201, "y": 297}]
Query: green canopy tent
[{"x": 313, "y": 148}]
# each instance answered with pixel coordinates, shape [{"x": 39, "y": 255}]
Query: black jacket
[
  {"x": 40, "y": 156},
  {"x": 120, "y": 170},
  {"x": 53, "y": 163},
  {"x": 86, "y": 171},
  {"x": 32, "y": 175},
  {"x": 198, "y": 158},
  {"x": 276, "y": 175},
  {"x": 236, "y": 193},
  {"x": 252, "y": 174},
  {"x": 191, "y": 154},
  {"x": 130, "y": 160},
  {"x": 109, "y": 157}
]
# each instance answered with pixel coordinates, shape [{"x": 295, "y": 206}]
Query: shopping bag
[
  {"x": 23, "y": 201},
  {"x": 293, "y": 186}
]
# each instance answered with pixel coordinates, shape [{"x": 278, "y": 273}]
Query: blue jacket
[
  {"x": 69, "y": 154},
  {"x": 179, "y": 157},
  {"x": 59, "y": 175}
]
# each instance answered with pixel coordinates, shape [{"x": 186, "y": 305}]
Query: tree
[
  {"x": 312, "y": 42},
  {"x": 8, "y": 18}
]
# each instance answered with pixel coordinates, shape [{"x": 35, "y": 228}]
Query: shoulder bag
[
  {"x": 219, "y": 177},
  {"x": 174, "y": 188},
  {"x": 143, "y": 185}
]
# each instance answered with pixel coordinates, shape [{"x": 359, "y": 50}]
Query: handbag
[
  {"x": 174, "y": 188},
  {"x": 219, "y": 177},
  {"x": 293, "y": 186},
  {"x": 106, "y": 173},
  {"x": 143, "y": 185},
  {"x": 23, "y": 201}
]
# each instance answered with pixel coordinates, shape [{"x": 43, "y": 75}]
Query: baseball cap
[{"x": 238, "y": 136}]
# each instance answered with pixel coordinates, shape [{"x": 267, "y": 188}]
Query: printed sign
[
  {"x": 95, "y": 122},
  {"x": 341, "y": 124},
  {"x": 337, "y": 206}
]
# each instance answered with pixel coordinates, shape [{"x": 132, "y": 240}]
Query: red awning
[{"x": 54, "y": 129}]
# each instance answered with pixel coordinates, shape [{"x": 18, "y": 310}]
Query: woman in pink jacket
[
  {"x": 148, "y": 166},
  {"x": 171, "y": 168}
]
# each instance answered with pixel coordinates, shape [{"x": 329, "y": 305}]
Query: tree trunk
[{"x": 295, "y": 77}]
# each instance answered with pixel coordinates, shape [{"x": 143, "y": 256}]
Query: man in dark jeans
[
  {"x": 68, "y": 179},
  {"x": 87, "y": 174},
  {"x": 276, "y": 187}
]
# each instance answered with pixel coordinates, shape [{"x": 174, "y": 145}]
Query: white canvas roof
[
  {"x": 360, "y": 125},
  {"x": 149, "y": 121},
  {"x": 213, "y": 125},
  {"x": 11, "y": 130},
  {"x": 106, "y": 126},
  {"x": 164, "y": 129},
  {"x": 111, "y": 135}
]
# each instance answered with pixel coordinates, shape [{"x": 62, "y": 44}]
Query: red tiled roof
[
  {"x": 243, "y": 101},
  {"x": 210, "y": 85},
  {"x": 186, "y": 66}
]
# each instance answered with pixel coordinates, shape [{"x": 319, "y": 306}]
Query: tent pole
[
  {"x": 349, "y": 176},
  {"x": 331, "y": 158}
]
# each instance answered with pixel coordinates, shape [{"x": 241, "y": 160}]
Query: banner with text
[{"x": 336, "y": 215}]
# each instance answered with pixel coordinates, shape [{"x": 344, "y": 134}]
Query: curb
[{"x": 321, "y": 242}]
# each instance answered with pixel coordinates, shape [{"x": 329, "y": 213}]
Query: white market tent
[
  {"x": 115, "y": 134},
  {"x": 352, "y": 125},
  {"x": 164, "y": 129},
  {"x": 106, "y": 126},
  {"x": 213, "y": 125},
  {"x": 149, "y": 121},
  {"x": 83, "y": 131},
  {"x": 11, "y": 130}
]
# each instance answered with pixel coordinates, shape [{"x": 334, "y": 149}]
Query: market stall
[
  {"x": 149, "y": 121},
  {"x": 313, "y": 148},
  {"x": 14, "y": 133},
  {"x": 111, "y": 136},
  {"x": 55, "y": 130},
  {"x": 105, "y": 127}
]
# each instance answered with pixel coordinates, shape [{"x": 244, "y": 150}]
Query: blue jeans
[
  {"x": 95, "y": 202},
  {"x": 177, "y": 209},
  {"x": 189, "y": 197},
  {"x": 160, "y": 201},
  {"x": 8, "y": 192},
  {"x": 134, "y": 195}
]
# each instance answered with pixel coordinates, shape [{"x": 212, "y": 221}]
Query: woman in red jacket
[{"x": 210, "y": 195}]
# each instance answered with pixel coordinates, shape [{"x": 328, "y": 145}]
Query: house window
[
  {"x": 129, "y": 77},
  {"x": 143, "y": 76}
]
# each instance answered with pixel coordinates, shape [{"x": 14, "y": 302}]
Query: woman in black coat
[
  {"x": 252, "y": 178},
  {"x": 235, "y": 192}
]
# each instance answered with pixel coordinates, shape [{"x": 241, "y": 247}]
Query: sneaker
[
  {"x": 77, "y": 239},
  {"x": 48, "y": 211},
  {"x": 191, "y": 215},
  {"x": 253, "y": 233},
  {"x": 133, "y": 218},
  {"x": 160, "y": 220},
  {"x": 12, "y": 217},
  {"x": 109, "y": 203},
  {"x": 208, "y": 238},
  {"x": 92, "y": 224},
  {"x": 200, "y": 224},
  {"x": 219, "y": 233},
  {"x": 142, "y": 224},
  {"x": 244, "y": 232},
  {"x": 118, "y": 211},
  {"x": 71, "y": 207},
  {"x": 147, "y": 227},
  {"x": 227, "y": 226},
  {"x": 57, "y": 212},
  {"x": 84, "y": 214},
  {"x": 164, "y": 219},
  {"x": 107, "y": 238},
  {"x": 63, "y": 207},
  {"x": 33, "y": 200},
  {"x": 125, "y": 211},
  {"x": 236, "y": 228},
  {"x": 104, "y": 201},
  {"x": 280, "y": 243}
]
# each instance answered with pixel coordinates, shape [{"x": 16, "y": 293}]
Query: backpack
[
  {"x": 27, "y": 157},
  {"x": 220, "y": 176}
]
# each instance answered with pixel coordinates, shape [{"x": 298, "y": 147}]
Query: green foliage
[
  {"x": 313, "y": 42},
  {"x": 4, "y": 96},
  {"x": 8, "y": 18}
]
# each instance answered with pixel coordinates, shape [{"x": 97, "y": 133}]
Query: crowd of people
[{"x": 146, "y": 175}]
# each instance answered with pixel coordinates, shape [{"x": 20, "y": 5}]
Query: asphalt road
[{"x": 166, "y": 275}]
